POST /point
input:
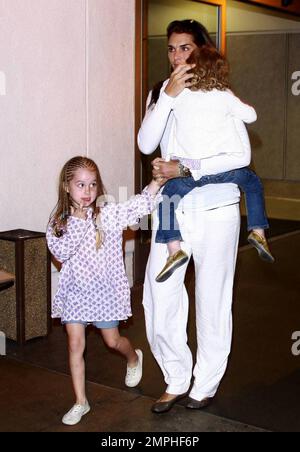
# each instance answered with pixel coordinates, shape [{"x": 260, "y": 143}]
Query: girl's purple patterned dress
[{"x": 93, "y": 285}]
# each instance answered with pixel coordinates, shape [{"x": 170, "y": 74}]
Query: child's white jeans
[{"x": 212, "y": 237}]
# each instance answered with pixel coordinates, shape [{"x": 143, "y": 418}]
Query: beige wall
[
  {"x": 68, "y": 71},
  {"x": 64, "y": 96},
  {"x": 111, "y": 38},
  {"x": 42, "y": 115}
]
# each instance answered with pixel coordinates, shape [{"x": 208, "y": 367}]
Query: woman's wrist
[
  {"x": 170, "y": 93},
  {"x": 184, "y": 171}
]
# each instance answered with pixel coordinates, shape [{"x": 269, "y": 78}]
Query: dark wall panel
[
  {"x": 259, "y": 78},
  {"x": 158, "y": 63},
  {"x": 293, "y": 116}
]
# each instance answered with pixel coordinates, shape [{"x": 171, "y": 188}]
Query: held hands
[
  {"x": 165, "y": 170},
  {"x": 78, "y": 212},
  {"x": 179, "y": 80},
  {"x": 156, "y": 184}
]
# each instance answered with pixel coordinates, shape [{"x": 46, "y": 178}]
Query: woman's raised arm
[
  {"x": 156, "y": 118},
  {"x": 154, "y": 123}
]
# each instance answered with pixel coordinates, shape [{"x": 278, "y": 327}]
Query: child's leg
[
  {"x": 252, "y": 186},
  {"x": 173, "y": 247},
  {"x": 255, "y": 202},
  {"x": 260, "y": 232},
  {"x": 168, "y": 230},
  {"x": 121, "y": 344},
  {"x": 76, "y": 343},
  {"x": 134, "y": 358}
]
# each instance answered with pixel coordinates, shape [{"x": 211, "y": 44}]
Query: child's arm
[
  {"x": 222, "y": 162},
  {"x": 229, "y": 162},
  {"x": 131, "y": 211},
  {"x": 240, "y": 110},
  {"x": 64, "y": 247}
]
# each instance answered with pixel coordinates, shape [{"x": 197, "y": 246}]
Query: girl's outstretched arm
[
  {"x": 130, "y": 212},
  {"x": 229, "y": 162}
]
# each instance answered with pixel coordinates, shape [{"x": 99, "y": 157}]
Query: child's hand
[
  {"x": 159, "y": 181},
  {"x": 155, "y": 185},
  {"x": 78, "y": 212}
]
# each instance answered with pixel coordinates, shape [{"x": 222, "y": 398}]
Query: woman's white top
[{"x": 159, "y": 129}]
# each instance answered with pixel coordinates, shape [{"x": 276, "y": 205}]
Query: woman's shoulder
[
  {"x": 156, "y": 92},
  {"x": 160, "y": 86}
]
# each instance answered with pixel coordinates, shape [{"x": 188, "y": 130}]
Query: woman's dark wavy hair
[{"x": 200, "y": 36}]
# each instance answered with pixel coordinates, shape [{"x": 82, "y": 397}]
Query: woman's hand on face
[
  {"x": 165, "y": 170},
  {"x": 179, "y": 80},
  {"x": 78, "y": 212}
]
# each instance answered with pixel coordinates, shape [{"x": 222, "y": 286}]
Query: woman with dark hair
[
  {"x": 205, "y": 117},
  {"x": 200, "y": 38},
  {"x": 209, "y": 221}
]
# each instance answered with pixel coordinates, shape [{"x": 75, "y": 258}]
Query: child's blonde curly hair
[{"x": 211, "y": 70}]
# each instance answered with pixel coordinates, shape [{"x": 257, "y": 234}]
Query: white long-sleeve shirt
[
  {"x": 204, "y": 124},
  {"x": 157, "y": 129}
]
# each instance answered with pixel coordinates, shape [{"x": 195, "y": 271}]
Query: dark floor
[
  {"x": 277, "y": 228},
  {"x": 262, "y": 385},
  {"x": 36, "y": 400}
]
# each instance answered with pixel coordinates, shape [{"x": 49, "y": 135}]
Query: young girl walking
[
  {"x": 204, "y": 126},
  {"x": 93, "y": 287}
]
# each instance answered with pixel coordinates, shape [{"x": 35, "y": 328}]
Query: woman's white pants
[{"x": 212, "y": 238}]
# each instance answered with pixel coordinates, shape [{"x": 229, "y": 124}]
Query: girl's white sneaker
[
  {"x": 75, "y": 414},
  {"x": 134, "y": 374}
]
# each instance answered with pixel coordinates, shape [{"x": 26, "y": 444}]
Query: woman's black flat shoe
[
  {"x": 193, "y": 404},
  {"x": 164, "y": 407}
]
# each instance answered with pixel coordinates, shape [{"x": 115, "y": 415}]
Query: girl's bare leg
[
  {"x": 76, "y": 343},
  {"x": 121, "y": 344}
]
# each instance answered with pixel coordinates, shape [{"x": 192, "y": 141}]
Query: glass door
[
  {"x": 263, "y": 48},
  {"x": 152, "y": 66}
]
